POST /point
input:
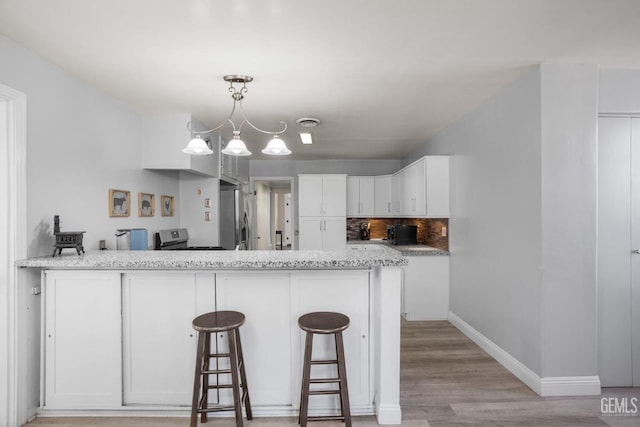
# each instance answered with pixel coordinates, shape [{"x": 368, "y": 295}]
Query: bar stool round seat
[
  {"x": 324, "y": 322},
  {"x": 206, "y": 325},
  {"x": 218, "y": 321}
]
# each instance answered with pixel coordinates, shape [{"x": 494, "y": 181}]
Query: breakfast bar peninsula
[{"x": 117, "y": 336}]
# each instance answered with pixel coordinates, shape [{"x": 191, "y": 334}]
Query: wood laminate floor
[{"x": 446, "y": 381}]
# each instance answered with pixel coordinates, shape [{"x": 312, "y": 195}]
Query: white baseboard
[{"x": 546, "y": 386}]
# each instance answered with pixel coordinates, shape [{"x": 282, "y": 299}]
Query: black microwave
[{"x": 402, "y": 234}]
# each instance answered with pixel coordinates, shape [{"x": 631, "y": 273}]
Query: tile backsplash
[{"x": 429, "y": 229}]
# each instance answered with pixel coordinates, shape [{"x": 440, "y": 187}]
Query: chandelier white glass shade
[
  {"x": 276, "y": 147},
  {"x": 198, "y": 147},
  {"x": 237, "y": 147}
]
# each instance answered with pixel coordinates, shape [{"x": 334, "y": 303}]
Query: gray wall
[
  {"x": 619, "y": 91},
  {"x": 523, "y": 218},
  {"x": 81, "y": 142},
  {"x": 495, "y": 217},
  {"x": 569, "y": 189}
]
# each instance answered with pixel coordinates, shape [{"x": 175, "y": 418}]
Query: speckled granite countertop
[
  {"x": 149, "y": 260},
  {"x": 406, "y": 250}
]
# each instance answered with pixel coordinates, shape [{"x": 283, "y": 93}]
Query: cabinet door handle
[
  {"x": 635, "y": 251},
  {"x": 325, "y": 225},
  {"x": 320, "y": 225}
]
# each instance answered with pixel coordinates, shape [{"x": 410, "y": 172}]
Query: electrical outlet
[
  {"x": 207, "y": 216},
  {"x": 444, "y": 231}
]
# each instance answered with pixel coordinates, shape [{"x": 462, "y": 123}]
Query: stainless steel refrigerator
[{"x": 234, "y": 217}]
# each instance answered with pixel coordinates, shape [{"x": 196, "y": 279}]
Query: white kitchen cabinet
[
  {"x": 437, "y": 186},
  {"x": 396, "y": 194},
  {"x": 322, "y": 211},
  {"x": 157, "y": 310},
  {"x": 322, "y": 195},
  {"x": 348, "y": 293},
  {"x": 425, "y": 289},
  {"x": 163, "y": 138},
  {"x": 415, "y": 189},
  {"x": 266, "y": 334},
  {"x": 322, "y": 233},
  {"x": 382, "y": 196},
  {"x": 360, "y": 196},
  {"x": 83, "y": 341},
  {"x": 421, "y": 189}
]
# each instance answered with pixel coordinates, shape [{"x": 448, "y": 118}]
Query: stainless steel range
[{"x": 177, "y": 239}]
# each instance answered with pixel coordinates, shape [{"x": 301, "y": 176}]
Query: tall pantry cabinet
[{"x": 322, "y": 211}]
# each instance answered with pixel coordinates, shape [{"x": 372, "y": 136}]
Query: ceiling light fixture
[
  {"x": 307, "y": 122},
  {"x": 237, "y": 147},
  {"x": 305, "y": 138}
]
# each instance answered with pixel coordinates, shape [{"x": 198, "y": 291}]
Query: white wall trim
[
  {"x": 15, "y": 228},
  {"x": 546, "y": 386}
]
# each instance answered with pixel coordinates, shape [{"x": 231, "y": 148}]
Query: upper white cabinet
[
  {"x": 422, "y": 189},
  {"x": 322, "y": 195},
  {"x": 382, "y": 198},
  {"x": 360, "y": 195},
  {"x": 437, "y": 186},
  {"x": 163, "y": 138},
  {"x": 322, "y": 201}
]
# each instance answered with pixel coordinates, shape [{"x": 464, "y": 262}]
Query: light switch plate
[
  {"x": 207, "y": 203},
  {"x": 207, "y": 216}
]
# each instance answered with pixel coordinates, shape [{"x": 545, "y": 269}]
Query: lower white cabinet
[
  {"x": 264, "y": 299},
  {"x": 125, "y": 339},
  {"x": 425, "y": 291},
  {"x": 82, "y": 340},
  {"x": 348, "y": 293},
  {"x": 159, "y": 342}
]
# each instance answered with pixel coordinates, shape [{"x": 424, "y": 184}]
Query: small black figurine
[{"x": 68, "y": 239}]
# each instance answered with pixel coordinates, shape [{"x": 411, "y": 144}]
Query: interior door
[
  {"x": 635, "y": 246},
  {"x": 263, "y": 216},
  {"x": 618, "y": 267}
]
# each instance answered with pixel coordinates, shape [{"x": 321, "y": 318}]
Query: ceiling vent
[{"x": 308, "y": 122}]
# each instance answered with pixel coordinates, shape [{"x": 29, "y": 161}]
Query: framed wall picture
[
  {"x": 119, "y": 202},
  {"x": 146, "y": 204},
  {"x": 167, "y": 205}
]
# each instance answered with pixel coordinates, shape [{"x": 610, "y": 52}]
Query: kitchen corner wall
[
  {"x": 80, "y": 143},
  {"x": 523, "y": 221}
]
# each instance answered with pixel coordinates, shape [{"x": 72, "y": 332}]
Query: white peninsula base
[{"x": 120, "y": 342}]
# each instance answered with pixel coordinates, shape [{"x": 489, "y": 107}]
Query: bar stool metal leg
[
  {"x": 233, "y": 356},
  {"x": 243, "y": 378},
  {"x": 306, "y": 375},
  {"x": 195, "y": 404},
  {"x": 342, "y": 375}
]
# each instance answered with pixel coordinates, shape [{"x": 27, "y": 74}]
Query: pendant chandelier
[{"x": 237, "y": 147}]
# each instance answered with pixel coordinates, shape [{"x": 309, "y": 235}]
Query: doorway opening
[{"x": 273, "y": 219}]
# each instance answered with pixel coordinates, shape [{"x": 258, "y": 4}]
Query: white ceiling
[{"x": 382, "y": 75}]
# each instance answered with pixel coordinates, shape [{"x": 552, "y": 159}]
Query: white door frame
[
  {"x": 13, "y": 226},
  {"x": 291, "y": 180}
]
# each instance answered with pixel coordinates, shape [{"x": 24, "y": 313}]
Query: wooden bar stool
[
  {"x": 324, "y": 323},
  {"x": 206, "y": 325}
]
